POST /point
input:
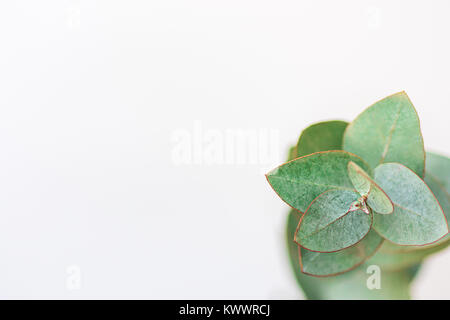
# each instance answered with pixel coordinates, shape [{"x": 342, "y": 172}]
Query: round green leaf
[
  {"x": 300, "y": 181},
  {"x": 322, "y": 136},
  {"x": 329, "y": 226},
  {"x": 376, "y": 197},
  {"x": 435, "y": 176},
  {"x": 394, "y": 257},
  {"x": 388, "y": 131},
  {"x": 418, "y": 218}
]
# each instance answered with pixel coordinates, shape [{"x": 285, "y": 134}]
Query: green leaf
[
  {"x": 376, "y": 197},
  {"x": 388, "y": 131},
  {"x": 350, "y": 285},
  {"x": 418, "y": 218},
  {"x": 292, "y": 154},
  {"x": 322, "y": 136},
  {"x": 300, "y": 181},
  {"x": 438, "y": 169},
  {"x": 329, "y": 226},
  {"x": 307, "y": 283},
  {"x": 436, "y": 186},
  {"x": 333, "y": 263},
  {"x": 395, "y": 257},
  {"x": 437, "y": 177},
  {"x": 353, "y": 286},
  {"x": 444, "y": 200},
  {"x": 390, "y": 257},
  {"x": 442, "y": 196}
]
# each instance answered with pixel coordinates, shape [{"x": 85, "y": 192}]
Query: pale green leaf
[
  {"x": 433, "y": 179},
  {"x": 418, "y": 218},
  {"x": 376, "y": 198},
  {"x": 328, "y": 225},
  {"x": 353, "y": 286},
  {"x": 322, "y": 136},
  {"x": 395, "y": 257},
  {"x": 300, "y": 181},
  {"x": 444, "y": 200},
  {"x": 438, "y": 168},
  {"x": 437, "y": 177},
  {"x": 388, "y": 131},
  {"x": 392, "y": 257}
]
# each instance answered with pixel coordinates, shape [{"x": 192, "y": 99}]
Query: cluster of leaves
[{"x": 362, "y": 191}]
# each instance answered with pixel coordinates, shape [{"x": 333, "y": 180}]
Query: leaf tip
[{"x": 272, "y": 172}]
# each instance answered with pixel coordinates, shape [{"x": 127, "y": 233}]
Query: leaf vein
[{"x": 390, "y": 134}]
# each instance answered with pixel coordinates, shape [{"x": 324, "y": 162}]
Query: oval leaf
[
  {"x": 300, "y": 181},
  {"x": 376, "y": 198},
  {"x": 418, "y": 218},
  {"x": 388, "y": 131},
  {"x": 329, "y": 226},
  {"x": 433, "y": 178},
  {"x": 322, "y": 136}
]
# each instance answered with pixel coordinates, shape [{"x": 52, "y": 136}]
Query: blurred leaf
[
  {"x": 300, "y": 181},
  {"x": 438, "y": 169},
  {"x": 376, "y": 198},
  {"x": 351, "y": 285},
  {"x": 328, "y": 226},
  {"x": 389, "y": 258},
  {"x": 306, "y": 282},
  {"x": 417, "y": 218},
  {"x": 322, "y": 136},
  {"x": 292, "y": 154},
  {"x": 388, "y": 131}
]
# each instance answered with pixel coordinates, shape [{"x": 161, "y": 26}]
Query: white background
[{"x": 91, "y": 93}]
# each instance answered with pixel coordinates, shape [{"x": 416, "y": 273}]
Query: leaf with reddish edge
[
  {"x": 388, "y": 131},
  {"x": 392, "y": 257},
  {"x": 376, "y": 198},
  {"x": 418, "y": 218},
  {"x": 331, "y": 281},
  {"x": 322, "y": 136},
  {"x": 436, "y": 173},
  {"x": 328, "y": 225},
  {"x": 299, "y": 181}
]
